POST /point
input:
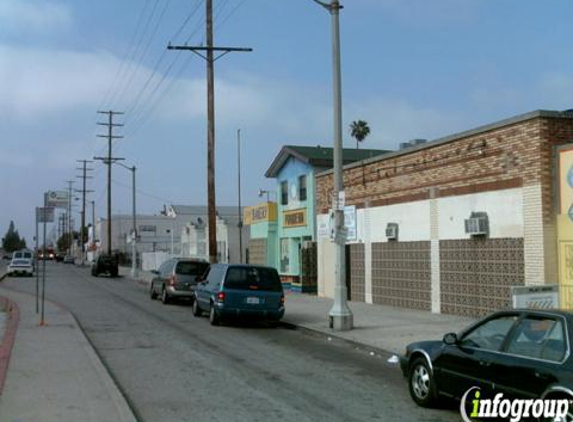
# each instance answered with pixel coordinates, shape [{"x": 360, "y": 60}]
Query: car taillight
[
  {"x": 282, "y": 300},
  {"x": 220, "y": 297}
]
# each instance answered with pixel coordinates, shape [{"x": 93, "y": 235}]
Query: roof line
[{"x": 550, "y": 114}]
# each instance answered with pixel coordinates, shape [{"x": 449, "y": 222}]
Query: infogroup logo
[{"x": 514, "y": 409}]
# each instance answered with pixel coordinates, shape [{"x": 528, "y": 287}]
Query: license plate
[{"x": 253, "y": 300}]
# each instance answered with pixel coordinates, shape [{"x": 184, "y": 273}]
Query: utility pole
[
  {"x": 341, "y": 318},
  {"x": 240, "y": 225},
  {"x": 83, "y": 191},
  {"x": 70, "y": 227},
  {"x": 108, "y": 161},
  {"x": 210, "y": 59}
]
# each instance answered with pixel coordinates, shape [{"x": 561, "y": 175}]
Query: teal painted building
[{"x": 295, "y": 168}]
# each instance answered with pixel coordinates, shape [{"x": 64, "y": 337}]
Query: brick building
[{"x": 503, "y": 173}]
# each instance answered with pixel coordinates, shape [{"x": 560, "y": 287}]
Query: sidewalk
[
  {"x": 54, "y": 375},
  {"x": 375, "y": 326}
]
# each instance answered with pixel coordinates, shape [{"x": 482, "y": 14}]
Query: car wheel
[
  {"x": 164, "y": 296},
  {"x": 421, "y": 383},
  {"x": 214, "y": 318},
  {"x": 196, "y": 309},
  {"x": 152, "y": 292}
]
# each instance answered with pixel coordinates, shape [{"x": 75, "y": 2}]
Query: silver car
[
  {"x": 177, "y": 278},
  {"x": 21, "y": 266}
]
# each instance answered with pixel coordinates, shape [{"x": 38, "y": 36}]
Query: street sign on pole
[{"x": 45, "y": 214}]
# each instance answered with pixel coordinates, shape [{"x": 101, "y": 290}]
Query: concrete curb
[
  {"x": 329, "y": 336},
  {"x": 9, "y": 337}
]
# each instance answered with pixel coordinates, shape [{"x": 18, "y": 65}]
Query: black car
[
  {"x": 107, "y": 264},
  {"x": 524, "y": 354}
]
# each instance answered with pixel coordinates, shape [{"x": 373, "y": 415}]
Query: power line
[
  {"x": 137, "y": 70},
  {"x": 121, "y": 67},
  {"x": 134, "y": 54}
]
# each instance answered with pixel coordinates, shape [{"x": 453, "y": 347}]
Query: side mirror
[{"x": 451, "y": 339}]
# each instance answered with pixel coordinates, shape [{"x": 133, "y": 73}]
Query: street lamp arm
[
  {"x": 329, "y": 6},
  {"x": 124, "y": 166}
]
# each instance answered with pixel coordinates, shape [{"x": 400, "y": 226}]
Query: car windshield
[
  {"x": 191, "y": 268},
  {"x": 253, "y": 278}
]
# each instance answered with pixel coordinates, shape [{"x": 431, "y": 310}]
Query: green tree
[
  {"x": 359, "y": 130},
  {"x": 11, "y": 241}
]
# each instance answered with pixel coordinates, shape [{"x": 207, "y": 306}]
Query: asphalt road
[{"x": 174, "y": 367}]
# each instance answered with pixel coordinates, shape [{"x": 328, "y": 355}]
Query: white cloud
[
  {"x": 44, "y": 82},
  {"x": 33, "y": 15}
]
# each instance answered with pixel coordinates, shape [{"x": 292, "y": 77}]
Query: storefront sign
[
  {"x": 536, "y": 297},
  {"x": 294, "y": 218},
  {"x": 260, "y": 213}
]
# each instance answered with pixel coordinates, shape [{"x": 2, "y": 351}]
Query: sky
[{"x": 410, "y": 68}]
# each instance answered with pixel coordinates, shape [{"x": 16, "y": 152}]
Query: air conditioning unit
[
  {"x": 392, "y": 231},
  {"x": 477, "y": 224}
]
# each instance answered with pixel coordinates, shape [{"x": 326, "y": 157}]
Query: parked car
[
  {"x": 177, "y": 278},
  {"x": 21, "y": 266},
  {"x": 240, "y": 290},
  {"x": 105, "y": 264},
  {"x": 68, "y": 259},
  {"x": 7, "y": 257},
  {"x": 521, "y": 353},
  {"x": 60, "y": 257}
]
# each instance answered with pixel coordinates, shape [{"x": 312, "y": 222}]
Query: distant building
[{"x": 179, "y": 230}]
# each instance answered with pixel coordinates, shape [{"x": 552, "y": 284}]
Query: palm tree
[{"x": 359, "y": 130}]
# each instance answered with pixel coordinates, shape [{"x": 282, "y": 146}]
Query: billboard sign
[{"x": 58, "y": 199}]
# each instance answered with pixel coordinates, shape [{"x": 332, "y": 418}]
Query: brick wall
[
  {"x": 515, "y": 155},
  {"x": 401, "y": 274},
  {"x": 477, "y": 274}
]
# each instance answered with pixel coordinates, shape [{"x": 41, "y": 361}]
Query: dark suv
[
  {"x": 240, "y": 290},
  {"x": 105, "y": 263}
]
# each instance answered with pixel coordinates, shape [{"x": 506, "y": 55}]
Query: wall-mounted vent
[
  {"x": 477, "y": 224},
  {"x": 392, "y": 231}
]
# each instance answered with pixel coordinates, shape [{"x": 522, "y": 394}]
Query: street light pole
[
  {"x": 341, "y": 318},
  {"x": 134, "y": 221}
]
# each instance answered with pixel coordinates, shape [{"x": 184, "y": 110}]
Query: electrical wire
[
  {"x": 124, "y": 60},
  {"x": 126, "y": 87}
]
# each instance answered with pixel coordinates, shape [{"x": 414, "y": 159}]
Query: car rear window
[
  {"x": 20, "y": 262},
  {"x": 191, "y": 268},
  {"x": 253, "y": 278}
]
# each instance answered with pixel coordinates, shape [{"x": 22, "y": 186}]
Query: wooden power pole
[
  {"x": 108, "y": 161},
  {"x": 210, "y": 59}
]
